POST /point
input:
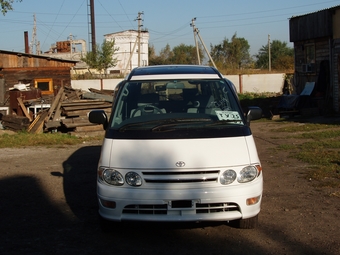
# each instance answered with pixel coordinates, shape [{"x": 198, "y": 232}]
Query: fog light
[
  {"x": 108, "y": 204},
  {"x": 253, "y": 200}
]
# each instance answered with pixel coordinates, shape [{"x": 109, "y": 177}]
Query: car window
[{"x": 143, "y": 101}]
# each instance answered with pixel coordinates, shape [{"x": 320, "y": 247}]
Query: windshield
[{"x": 167, "y": 105}]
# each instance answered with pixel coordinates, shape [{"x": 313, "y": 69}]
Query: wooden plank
[
  {"x": 23, "y": 108},
  {"x": 89, "y": 128},
  {"x": 20, "y": 120},
  {"x": 84, "y": 107},
  {"x": 55, "y": 102},
  {"x": 33, "y": 123},
  {"x": 103, "y": 91},
  {"x": 107, "y": 98},
  {"x": 57, "y": 113},
  {"x": 52, "y": 124},
  {"x": 39, "y": 125},
  {"x": 74, "y": 125},
  {"x": 83, "y": 113},
  {"x": 85, "y": 102},
  {"x": 14, "y": 126},
  {"x": 82, "y": 119}
]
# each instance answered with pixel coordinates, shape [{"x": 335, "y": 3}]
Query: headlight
[
  {"x": 113, "y": 177},
  {"x": 133, "y": 179},
  {"x": 247, "y": 174},
  {"x": 227, "y": 177}
]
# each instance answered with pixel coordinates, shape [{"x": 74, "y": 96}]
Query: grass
[
  {"x": 318, "y": 145},
  {"x": 24, "y": 139}
]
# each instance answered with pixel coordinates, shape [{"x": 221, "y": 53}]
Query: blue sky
[{"x": 168, "y": 22}]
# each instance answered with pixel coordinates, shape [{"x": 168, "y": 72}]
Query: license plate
[{"x": 181, "y": 204}]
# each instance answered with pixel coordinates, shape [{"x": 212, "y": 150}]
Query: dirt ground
[{"x": 48, "y": 206}]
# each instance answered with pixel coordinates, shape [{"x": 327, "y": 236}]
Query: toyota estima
[{"x": 178, "y": 147}]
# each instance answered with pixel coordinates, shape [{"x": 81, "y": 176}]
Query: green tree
[
  {"x": 181, "y": 54},
  {"x": 282, "y": 56},
  {"x": 233, "y": 54},
  {"x": 6, "y": 5},
  {"x": 185, "y": 54},
  {"x": 166, "y": 54},
  {"x": 153, "y": 58},
  {"x": 102, "y": 58}
]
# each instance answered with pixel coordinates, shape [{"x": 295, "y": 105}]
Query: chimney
[{"x": 27, "y": 48}]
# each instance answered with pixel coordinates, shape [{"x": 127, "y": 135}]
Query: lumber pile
[
  {"x": 15, "y": 123},
  {"x": 68, "y": 113}
]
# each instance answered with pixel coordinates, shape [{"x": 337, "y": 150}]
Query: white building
[{"x": 127, "y": 54}]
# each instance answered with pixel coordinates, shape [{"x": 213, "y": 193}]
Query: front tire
[{"x": 249, "y": 223}]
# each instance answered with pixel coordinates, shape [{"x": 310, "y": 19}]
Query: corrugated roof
[
  {"x": 37, "y": 56},
  {"x": 326, "y": 9}
]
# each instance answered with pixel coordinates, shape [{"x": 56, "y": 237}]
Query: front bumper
[{"x": 223, "y": 203}]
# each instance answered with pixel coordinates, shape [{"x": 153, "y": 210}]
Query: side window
[{"x": 309, "y": 65}]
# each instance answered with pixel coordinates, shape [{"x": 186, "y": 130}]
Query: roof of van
[{"x": 172, "y": 71}]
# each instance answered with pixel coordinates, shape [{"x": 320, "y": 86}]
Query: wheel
[
  {"x": 146, "y": 109},
  {"x": 245, "y": 223}
]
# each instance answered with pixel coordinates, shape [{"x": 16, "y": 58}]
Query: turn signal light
[
  {"x": 108, "y": 204},
  {"x": 253, "y": 200}
]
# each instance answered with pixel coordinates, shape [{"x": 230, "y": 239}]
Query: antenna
[{"x": 34, "y": 37}]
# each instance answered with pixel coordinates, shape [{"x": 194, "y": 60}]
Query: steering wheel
[{"x": 146, "y": 109}]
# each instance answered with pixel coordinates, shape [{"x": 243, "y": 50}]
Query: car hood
[{"x": 164, "y": 154}]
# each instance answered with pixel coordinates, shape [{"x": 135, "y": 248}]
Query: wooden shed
[
  {"x": 316, "y": 38},
  {"x": 41, "y": 72}
]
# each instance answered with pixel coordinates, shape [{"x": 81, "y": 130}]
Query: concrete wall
[
  {"x": 254, "y": 83},
  {"x": 95, "y": 84}
]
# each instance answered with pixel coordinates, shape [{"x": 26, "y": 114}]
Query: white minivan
[{"x": 178, "y": 147}]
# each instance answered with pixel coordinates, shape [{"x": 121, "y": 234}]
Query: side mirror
[
  {"x": 254, "y": 113},
  {"x": 98, "y": 117}
]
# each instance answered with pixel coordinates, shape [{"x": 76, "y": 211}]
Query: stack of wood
[
  {"x": 69, "y": 113},
  {"x": 16, "y": 123}
]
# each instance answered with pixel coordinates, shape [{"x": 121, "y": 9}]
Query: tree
[
  {"x": 6, "y": 5},
  {"x": 102, "y": 58},
  {"x": 181, "y": 54},
  {"x": 282, "y": 56},
  {"x": 185, "y": 54},
  {"x": 232, "y": 54},
  {"x": 153, "y": 58},
  {"x": 166, "y": 54}
]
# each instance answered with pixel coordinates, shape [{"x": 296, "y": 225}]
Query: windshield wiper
[
  {"x": 176, "y": 122},
  {"x": 157, "y": 125},
  {"x": 223, "y": 122}
]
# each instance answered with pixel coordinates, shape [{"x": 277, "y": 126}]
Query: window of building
[
  {"x": 310, "y": 53},
  {"x": 45, "y": 85},
  {"x": 309, "y": 65}
]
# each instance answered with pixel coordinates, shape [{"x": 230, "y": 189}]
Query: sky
[{"x": 168, "y": 22}]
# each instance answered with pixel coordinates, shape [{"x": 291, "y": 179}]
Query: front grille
[
  {"x": 216, "y": 207},
  {"x": 145, "y": 209},
  {"x": 205, "y": 208},
  {"x": 181, "y": 176}
]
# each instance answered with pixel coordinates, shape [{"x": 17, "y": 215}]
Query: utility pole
[
  {"x": 196, "y": 31},
  {"x": 139, "y": 18},
  {"x": 91, "y": 20},
  {"x": 192, "y": 24},
  {"x": 71, "y": 39},
  {"x": 269, "y": 55}
]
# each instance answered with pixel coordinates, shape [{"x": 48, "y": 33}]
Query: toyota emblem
[{"x": 180, "y": 163}]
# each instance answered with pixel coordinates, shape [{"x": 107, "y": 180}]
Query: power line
[{"x": 55, "y": 18}]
